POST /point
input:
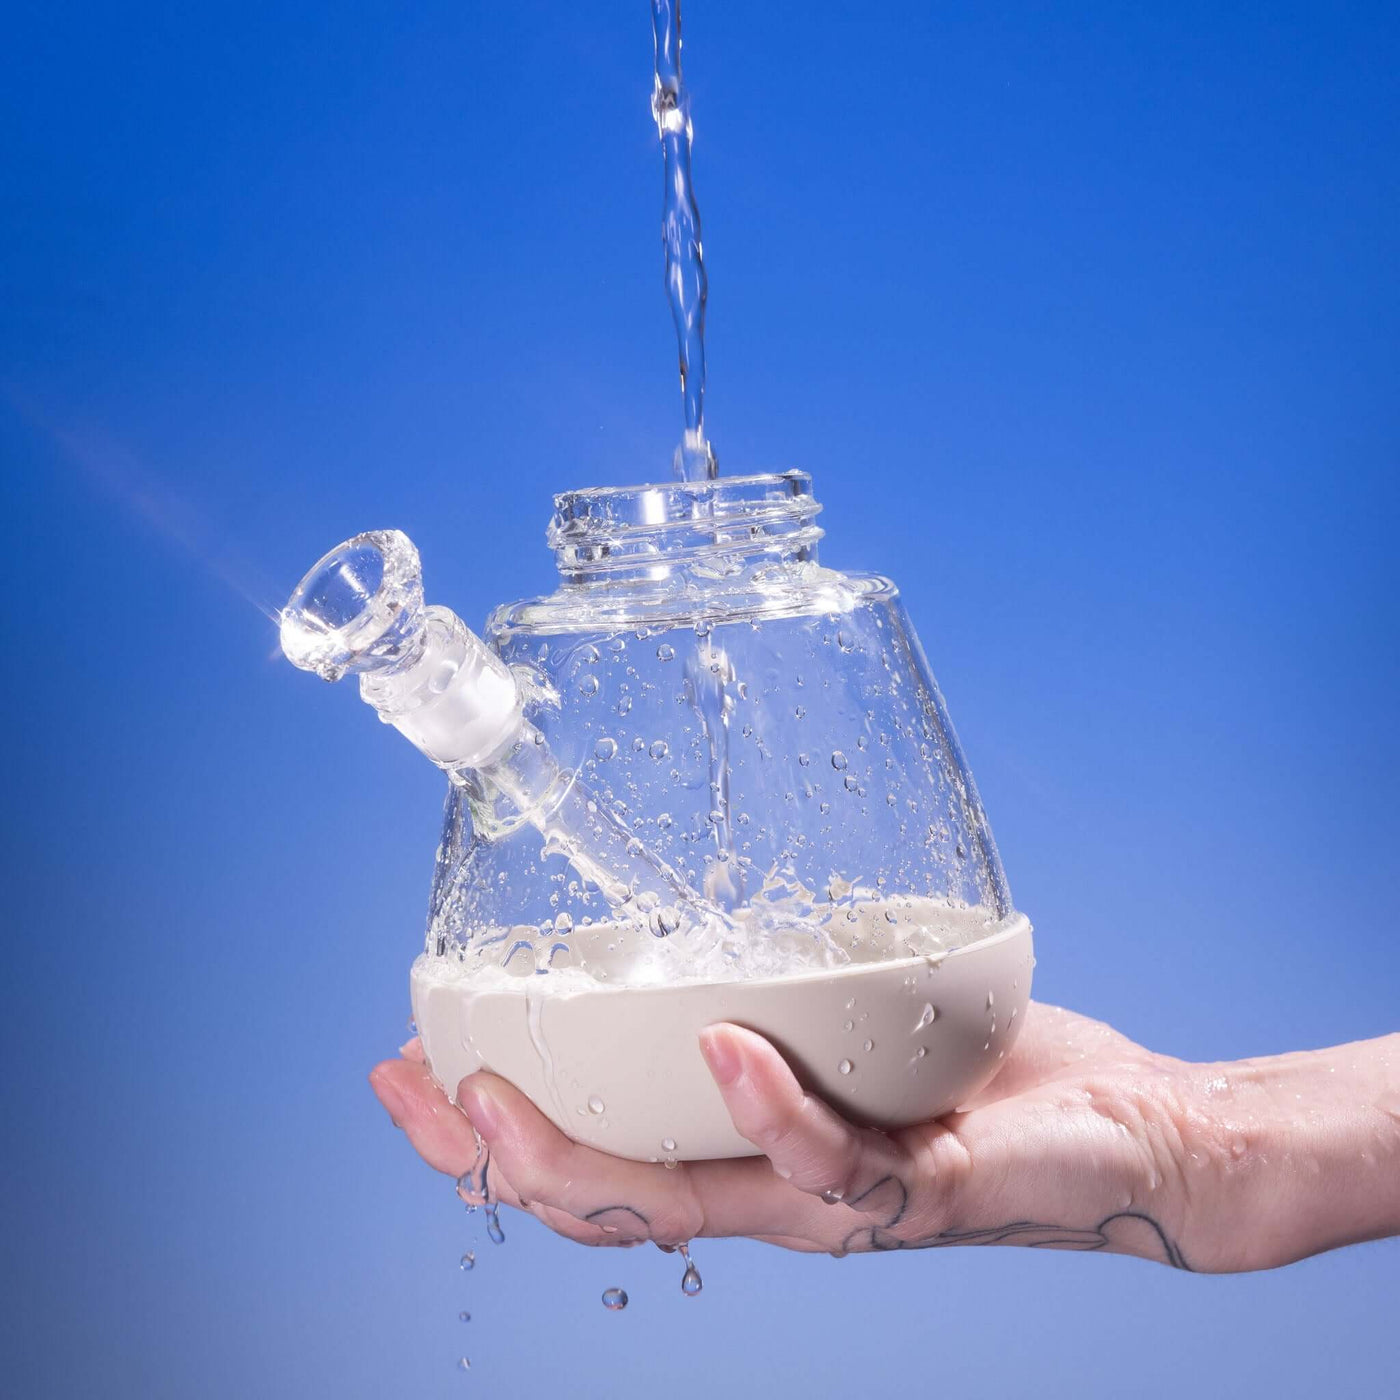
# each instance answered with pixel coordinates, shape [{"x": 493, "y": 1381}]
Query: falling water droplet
[
  {"x": 464, "y": 1316},
  {"x": 614, "y": 1299},
  {"x": 493, "y": 1226},
  {"x": 468, "y": 1260},
  {"x": 690, "y": 1280},
  {"x": 463, "y": 1364}
]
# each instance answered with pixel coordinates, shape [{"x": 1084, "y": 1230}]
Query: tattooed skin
[{"x": 1123, "y": 1232}]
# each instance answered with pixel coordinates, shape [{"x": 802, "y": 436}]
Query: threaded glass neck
[{"x": 709, "y": 529}]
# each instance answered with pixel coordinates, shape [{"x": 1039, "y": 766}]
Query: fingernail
[
  {"x": 406, "y": 1046},
  {"x": 720, "y": 1055},
  {"x": 476, "y": 1101},
  {"x": 387, "y": 1093}
]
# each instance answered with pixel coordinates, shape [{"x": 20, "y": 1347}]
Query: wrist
[{"x": 1285, "y": 1156}]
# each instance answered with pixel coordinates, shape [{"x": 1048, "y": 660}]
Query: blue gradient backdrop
[{"x": 1085, "y": 320}]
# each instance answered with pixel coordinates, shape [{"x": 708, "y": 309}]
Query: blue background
[{"x": 1085, "y": 320}]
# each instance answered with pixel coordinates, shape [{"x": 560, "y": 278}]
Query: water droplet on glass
[
  {"x": 665, "y": 652},
  {"x": 468, "y": 1260},
  {"x": 614, "y": 1299},
  {"x": 624, "y": 706},
  {"x": 838, "y": 760},
  {"x": 991, "y": 1001},
  {"x": 665, "y": 821},
  {"x": 825, "y": 808},
  {"x": 660, "y": 749},
  {"x": 845, "y": 1066},
  {"x": 930, "y": 1013},
  {"x": 852, "y": 783},
  {"x": 921, "y": 1052},
  {"x": 799, "y": 712},
  {"x": 604, "y": 749},
  {"x": 891, "y": 917},
  {"x": 849, "y": 1026},
  {"x": 588, "y": 685},
  {"x": 595, "y": 1104},
  {"x": 868, "y": 1046},
  {"x": 668, "y": 1144},
  {"x": 844, "y": 640},
  {"x": 564, "y": 923}
]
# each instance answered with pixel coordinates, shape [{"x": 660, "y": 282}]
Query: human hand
[{"x": 1084, "y": 1140}]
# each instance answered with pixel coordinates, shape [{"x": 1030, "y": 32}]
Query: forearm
[{"x": 1289, "y": 1155}]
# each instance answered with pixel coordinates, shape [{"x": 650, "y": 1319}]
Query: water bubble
[
  {"x": 604, "y": 749},
  {"x": 716, "y": 817},
  {"x": 845, "y": 641},
  {"x": 660, "y": 749},
  {"x": 799, "y": 712},
  {"x": 588, "y": 685},
  {"x": 825, "y": 808},
  {"x": 665, "y": 652},
  {"x": 845, "y": 1066},
  {"x": 930, "y": 1013},
  {"x": 665, "y": 921},
  {"x": 624, "y": 706},
  {"x": 665, "y": 821},
  {"x": 595, "y": 1104},
  {"x": 838, "y": 760},
  {"x": 564, "y": 923},
  {"x": 804, "y": 759},
  {"x": 468, "y": 1261},
  {"x": 614, "y": 1299},
  {"x": 852, "y": 783}
]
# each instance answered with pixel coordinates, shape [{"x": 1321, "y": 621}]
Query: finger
[
  {"x": 440, "y": 1133},
  {"x": 810, "y": 1146},
  {"x": 544, "y": 1166},
  {"x": 669, "y": 1205}
]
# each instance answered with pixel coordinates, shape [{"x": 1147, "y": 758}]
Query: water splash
[{"x": 687, "y": 287}]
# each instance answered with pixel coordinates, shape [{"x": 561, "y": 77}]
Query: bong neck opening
[{"x": 706, "y": 530}]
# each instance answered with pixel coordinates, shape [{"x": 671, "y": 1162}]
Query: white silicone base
[{"x": 620, "y": 1068}]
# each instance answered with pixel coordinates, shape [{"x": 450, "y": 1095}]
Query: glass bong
[{"x": 705, "y": 779}]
